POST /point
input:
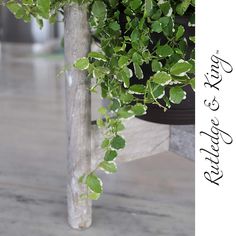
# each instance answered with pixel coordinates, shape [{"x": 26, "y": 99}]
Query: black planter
[{"x": 180, "y": 114}]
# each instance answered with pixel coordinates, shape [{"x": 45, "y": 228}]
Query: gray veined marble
[{"x": 147, "y": 197}]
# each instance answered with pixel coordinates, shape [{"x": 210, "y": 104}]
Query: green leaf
[
  {"x": 192, "y": 83},
  {"x": 100, "y": 123},
  {"x": 157, "y": 91},
  {"x": 99, "y": 10},
  {"x": 114, "y": 105},
  {"x": 21, "y": 14},
  {"x": 156, "y": 14},
  {"x": 178, "y": 51},
  {"x": 137, "y": 89},
  {"x": 134, "y": 35},
  {"x": 139, "y": 109},
  {"x": 108, "y": 167},
  {"x": 104, "y": 90},
  {"x": 137, "y": 58},
  {"x": 94, "y": 196},
  {"x": 183, "y": 7},
  {"x": 135, "y": 4},
  {"x": 113, "y": 3},
  {"x": 53, "y": 18},
  {"x": 138, "y": 71},
  {"x": 27, "y": 2},
  {"x": 162, "y": 78},
  {"x": 105, "y": 143},
  {"x": 119, "y": 127},
  {"x": 169, "y": 28},
  {"x": 128, "y": 72},
  {"x": 167, "y": 101},
  {"x": 82, "y": 63},
  {"x": 141, "y": 23},
  {"x": 180, "y": 68},
  {"x": 81, "y": 179},
  {"x": 114, "y": 26},
  {"x": 192, "y": 62},
  {"x": 44, "y": 8},
  {"x": 156, "y": 27},
  {"x": 120, "y": 48},
  {"x": 146, "y": 56},
  {"x": 98, "y": 56},
  {"x": 192, "y": 38},
  {"x": 39, "y": 22},
  {"x": 126, "y": 98},
  {"x": 180, "y": 32},
  {"x": 123, "y": 61},
  {"x": 164, "y": 51},
  {"x": 110, "y": 155},
  {"x": 177, "y": 94},
  {"x": 124, "y": 75},
  {"x": 125, "y": 113},
  {"x": 102, "y": 111},
  {"x": 166, "y": 8},
  {"x": 118, "y": 142},
  {"x": 164, "y": 21},
  {"x": 99, "y": 72},
  {"x": 27, "y": 17},
  {"x": 148, "y": 7},
  {"x": 182, "y": 45},
  {"x": 15, "y": 8},
  {"x": 156, "y": 65},
  {"x": 94, "y": 183}
]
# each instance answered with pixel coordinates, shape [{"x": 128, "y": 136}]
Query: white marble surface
[{"x": 148, "y": 197}]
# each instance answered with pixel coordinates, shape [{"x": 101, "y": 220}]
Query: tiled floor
[{"x": 149, "y": 197}]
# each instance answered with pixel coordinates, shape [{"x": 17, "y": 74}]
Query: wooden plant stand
[{"x": 83, "y": 135}]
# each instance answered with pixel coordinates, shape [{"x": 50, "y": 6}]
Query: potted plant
[
  {"x": 183, "y": 113},
  {"x": 146, "y": 60},
  {"x": 146, "y": 63}
]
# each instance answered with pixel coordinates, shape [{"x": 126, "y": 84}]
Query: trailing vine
[{"x": 131, "y": 34}]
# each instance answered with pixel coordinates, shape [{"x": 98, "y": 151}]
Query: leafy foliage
[{"x": 132, "y": 34}]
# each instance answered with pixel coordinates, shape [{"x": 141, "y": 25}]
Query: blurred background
[
  {"x": 16, "y": 31},
  {"x": 148, "y": 197}
]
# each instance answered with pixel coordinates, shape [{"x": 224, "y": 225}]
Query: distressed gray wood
[
  {"x": 182, "y": 140},
  {"x": 78, "y": 100}
]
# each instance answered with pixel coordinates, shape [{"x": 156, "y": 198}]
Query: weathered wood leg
[
  {"x": 78, "y": 104},
  {"x": 182, "y": 140}
]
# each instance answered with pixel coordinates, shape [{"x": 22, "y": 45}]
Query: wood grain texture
[
  {"x": 182, "y": 140},
  {"x": 78, "y": 103}
]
